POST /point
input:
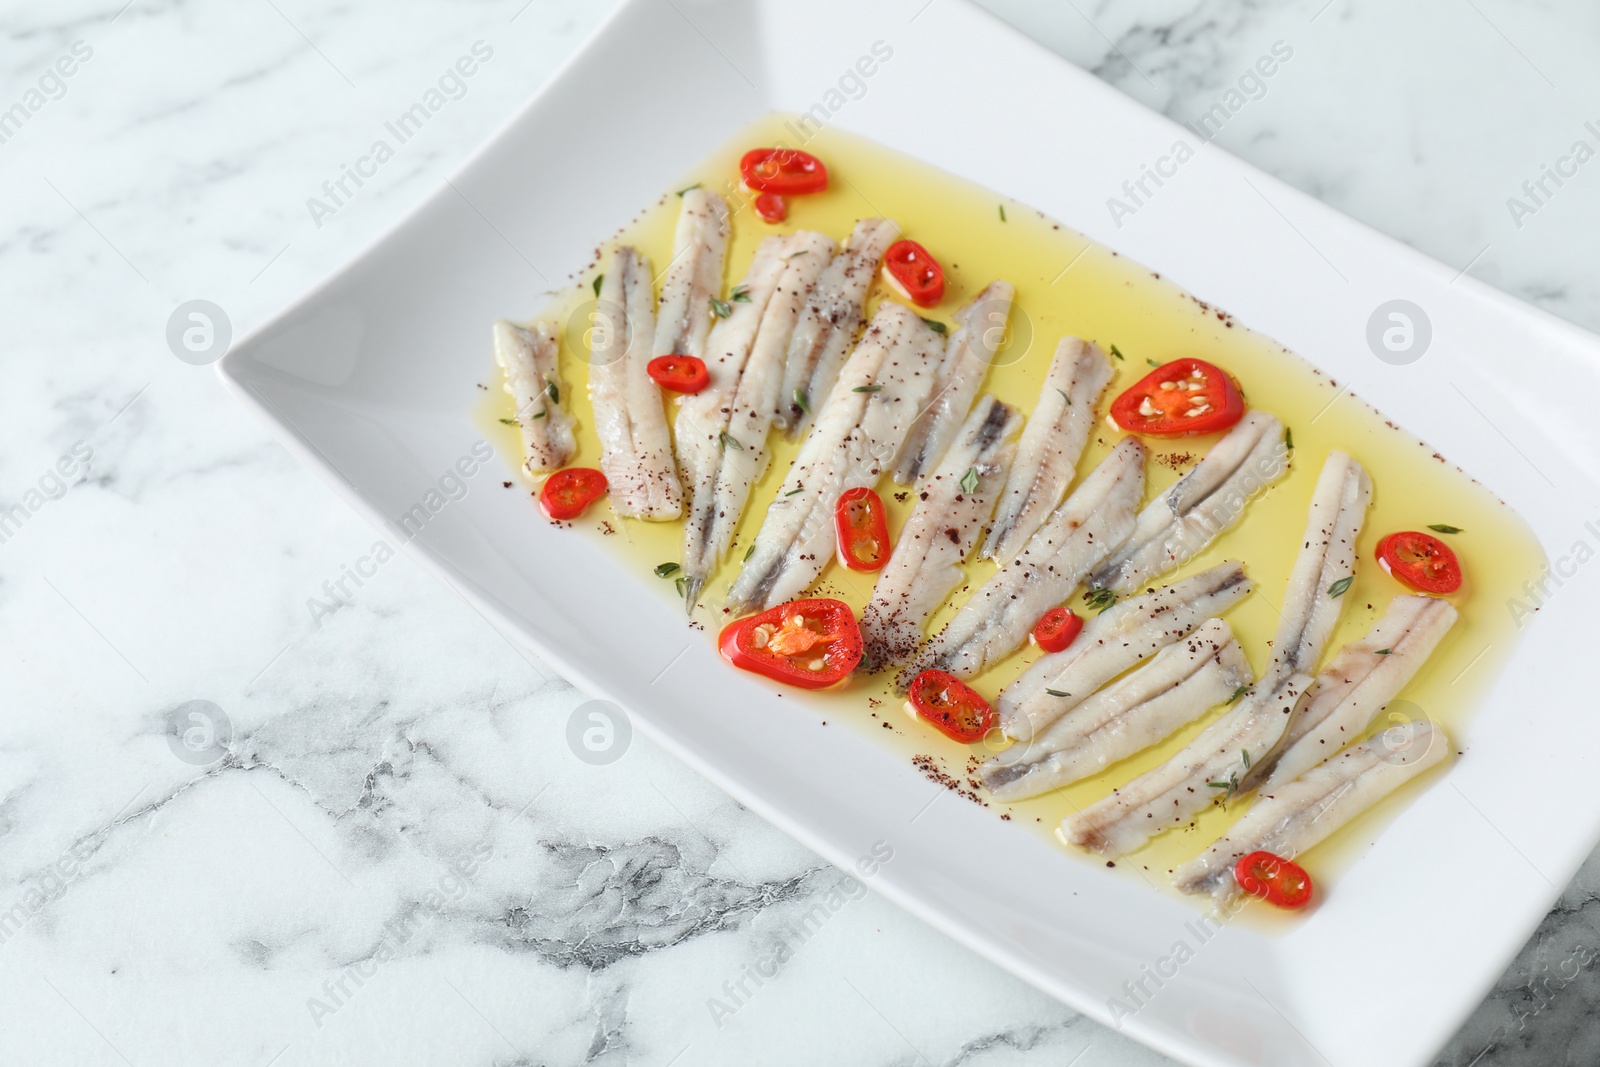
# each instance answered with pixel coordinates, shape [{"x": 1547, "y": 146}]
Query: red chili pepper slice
[
  {"x": 568, "y": 492},
  {"x": 772, "y": 207},
  {"x": 807, "y": 643},
  {"x": 951, "y": 706},
  {"x": 1179, "y": 399},
  {"x": 1421, "y": 561},
  {"x": 1280, "y": 882},
  {"x": 681, "y": 374},
  {"x": 863, "y": 529},
  {"x": 1056, "y": 629},
  {"x": 786, "y": 171},
  {"x": 914, "y": 273}
]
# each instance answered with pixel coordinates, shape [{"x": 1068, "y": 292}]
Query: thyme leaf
[{"x": 1100, "y": 599}]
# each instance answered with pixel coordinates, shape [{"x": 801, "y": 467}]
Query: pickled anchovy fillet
[
  {"x": 834, "y": 311},
  {"x": 694, "y": 277},
  {"x": 722, "y": 430},
  {"x": 529, "y": 359},
  {"x": 980, "y": 327},
  {"x": 1182, "y": 682},
  {"x": 635, "y": 447},
  {"x": 1113, "y": 641},
  {"x": 1362, "y": 679},
  {"x": 1324, "y": 567},
  {"x": 952, "y": 505},
  {"x": 1052, "y": 442},
  {"x": 1199, "y": 775},
  {"x": 1180, "y": 523}
]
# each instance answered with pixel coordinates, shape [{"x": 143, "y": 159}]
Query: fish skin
[
  {"x": 1180, "y": 523},
  {"x": 942, "y": 531},
  {"x": 1358, "y": 684},
  {"x": 835, "y": 309},
  {"x": 530, "y": 358},
  {"x": 1082, "y": 532},
  {"x": 1180, "y": 683},
  {"x": 1175, "y": 792},
  {"x": 1051, "y": 445},
  {"x": 635, "y": 447},
  {"x": 980, "y": 327},
  {"x": 694, "y": 277},
  {"x": 1116, "y": 639},
  {"x": 860, "y": 430},
  {"x": 1296, "y": 815}
]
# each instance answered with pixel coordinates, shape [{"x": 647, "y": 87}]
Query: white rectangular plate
[{"x": 370, "y": 379}]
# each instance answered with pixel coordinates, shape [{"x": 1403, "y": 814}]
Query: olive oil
[{"x": 1068, "y": 285}]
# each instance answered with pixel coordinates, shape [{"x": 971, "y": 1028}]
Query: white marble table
[{"x": 398, "y": 860}]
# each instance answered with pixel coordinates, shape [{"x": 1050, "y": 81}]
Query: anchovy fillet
[
  {"x": 952, "y": 505},
  {"x": 635, "y": 448},
  {"x": 980, "y": 327},
  {"x": 694, "y": 277},
  {"x": 834, "y": 311},
  {"x": 529, "y": 359},
  {"x": 1206, "y": 770},
  {"x": 1052, "y": 442},
  {"x": 1080, "y": 534},
  {"x": 722, "y": 430},
  {"x": 1363, "y": 677},
  {"x": 1182, "y": 682},
  {"x": 1300, "y": 813},
  {"x": 859, "y": 432},
  {"x": 1113, "y": 641},
  {"x": 1180, "y": 523},
  {"x": 1324, "y": 568}
]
